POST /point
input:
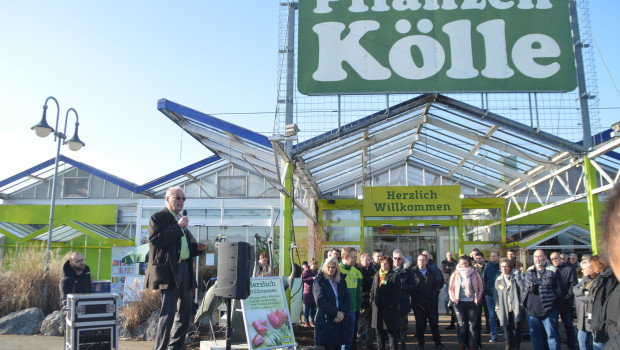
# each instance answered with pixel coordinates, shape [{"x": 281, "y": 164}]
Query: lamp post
[{"x": 42, "y": 129}]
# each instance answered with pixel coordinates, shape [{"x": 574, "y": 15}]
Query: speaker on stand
[{"x": 233, "y": 277}]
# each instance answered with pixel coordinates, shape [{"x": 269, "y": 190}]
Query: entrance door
[{"x": 410, "y": 244}]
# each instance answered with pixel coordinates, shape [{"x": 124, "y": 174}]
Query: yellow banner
[{"x": 412, "y": 201}]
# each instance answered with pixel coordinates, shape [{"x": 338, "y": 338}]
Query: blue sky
[{"x": 113, "y": 60}]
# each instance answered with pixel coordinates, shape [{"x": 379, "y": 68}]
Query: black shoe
[{"x": 450, "y": 327}]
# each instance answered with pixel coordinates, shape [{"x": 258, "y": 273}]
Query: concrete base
[{"x": 220, "y": 345}]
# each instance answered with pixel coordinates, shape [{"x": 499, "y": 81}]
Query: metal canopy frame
[
  {"x": 237, "y": 145},
  {"x": 567, "y": 228},
  {"x": 70, "y": 230},
  {"x": 16, "y": 231},
  {"x": 460, "y": 142}
]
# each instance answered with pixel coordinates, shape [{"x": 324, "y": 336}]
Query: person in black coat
[
  {"x": 605, "y": 299},
  {"x": 364, "y": 329},
  {"x": 424, "y": 300},
  {"x": 172, "y": 248},
  {"x": 333, "y": 305},
  {"x": 402, "y": 270},
  {"x": 567, "y": 279},
  {"x": 384, "y": 297},
  {"x": 75, "y": 277}
]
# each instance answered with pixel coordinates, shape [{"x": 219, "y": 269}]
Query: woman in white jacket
[{"x": 508, "y": 290}]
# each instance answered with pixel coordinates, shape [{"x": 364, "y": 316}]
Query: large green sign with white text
[
  {"x": 384, "y": 46},
  {"x": 412, "y": 201}
]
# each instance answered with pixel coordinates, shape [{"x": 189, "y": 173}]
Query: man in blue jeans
[
  {"x": 540, "y": 294},
  {"x": 489, "y": 275},
  {"x": 567, "y": 278}
]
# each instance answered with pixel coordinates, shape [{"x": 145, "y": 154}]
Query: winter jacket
[
  {"x": 540, "y": 294},
  {"x": 489, "y": 275},
  {"x": 431, "y": 266},
  {"x": 584, "y": 307},
  {"x": 454, "y": 288},
  {"x": 508, "y": 297},
  {"x": 405, "y": 275},
  {"x": 164, "y": 251},
  {"x": 353, "y": 277},
  {"x": 567, "y": 279},
  {"x": 385, "y": 298},
  {"x": 326, "y": 331},
  {"x": 367, "y": 276},
  {"x": 426, "y": 288},
  {"x": 72, "y": 283},
  {"x": 307, "y": 277},
  {"x": 605, "y": 297},
  {"x": 447, "y": 268},
  {"x": 613, "y": 343}
]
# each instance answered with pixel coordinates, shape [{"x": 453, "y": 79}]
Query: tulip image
[
  {"x": 274, "y": 319},
  {"x": 282, "y": 315},
  {"x": 260, "y": 326},
  {"x": 258, "y": 340}
]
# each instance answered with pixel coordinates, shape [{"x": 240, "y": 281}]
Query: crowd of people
[
  {"x": 351, "y": 302},
  {"x": 370, "y": 301}
]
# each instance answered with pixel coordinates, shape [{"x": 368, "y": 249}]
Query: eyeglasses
[
  {"x": 398, "y": 258},
  {"x": 179, "y": 198}
]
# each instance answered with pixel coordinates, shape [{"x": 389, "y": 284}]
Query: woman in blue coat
[
  {"x": 333, "y": 305},
  {"x": 385, "y": 297}
]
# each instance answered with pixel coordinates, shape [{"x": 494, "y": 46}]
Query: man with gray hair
[
  {"x": 401, "y": 268},
  {"x": 540, "y": 301},
  {"x": 170, "y": 269}
]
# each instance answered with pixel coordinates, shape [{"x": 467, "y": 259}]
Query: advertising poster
[
  {"x": 121, "y": 271},
  {"x": 266, "y": 316}
]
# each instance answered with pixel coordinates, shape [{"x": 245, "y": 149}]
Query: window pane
[
  {"x": 75, "y": 187},
  {"x": 342, "y": 225},
  {"x": 231, "y": 186},
  {"x": 247, "y": 213}
]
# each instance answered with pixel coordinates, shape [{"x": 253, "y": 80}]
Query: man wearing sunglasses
[{"x": 170, "y": 269}]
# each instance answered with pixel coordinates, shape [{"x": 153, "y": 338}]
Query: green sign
[
  {"x": 265, "y": 312},
  {"x": 412, "y": 201},
  {"x": 380, "y": 46}
]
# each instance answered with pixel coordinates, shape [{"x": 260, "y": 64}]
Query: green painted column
[
  {"x": 594, "y": 206},
  {"x": 287, "y": 227},
  {"x": 460, "y": 235}
]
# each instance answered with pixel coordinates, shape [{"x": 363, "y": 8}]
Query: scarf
[
  {"x": 466, "y": 275},
  {"x": 382, "y": 275}
]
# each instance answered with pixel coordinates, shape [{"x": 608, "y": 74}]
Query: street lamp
[{"x": 42, "y": 129}]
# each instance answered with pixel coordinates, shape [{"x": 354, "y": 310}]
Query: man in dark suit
[{"x": 170, "y": 269}]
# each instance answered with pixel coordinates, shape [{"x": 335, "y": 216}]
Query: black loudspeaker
[{"x": 233, "y": 270}]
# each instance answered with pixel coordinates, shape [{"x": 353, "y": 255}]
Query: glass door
[{"x": 410, "y": 244}]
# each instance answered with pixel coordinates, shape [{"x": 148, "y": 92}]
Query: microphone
[{"x": 184, "y": 212}]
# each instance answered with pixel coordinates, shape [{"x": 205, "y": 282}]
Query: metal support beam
[
  {"x": 594, "y": 206},
  {"x": 581, "y": 77}
]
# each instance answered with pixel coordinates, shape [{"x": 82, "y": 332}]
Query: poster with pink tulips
[{"x": 266, "y": 315}]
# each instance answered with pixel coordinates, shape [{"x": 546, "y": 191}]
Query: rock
[
  {"x": 151, "y": 328},
  {"x": 140, "y": 331},
  {"x": 54, "y": 324},
  {"x": 148, "y": 330},
  {"x": 123, "y": 331},
  {"x": 22, "y": 322}
]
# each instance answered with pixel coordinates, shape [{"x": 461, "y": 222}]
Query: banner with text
[
  {"x": 412, "y": 201},
  {"x": 380, "y": 46},
  {"x": 266, "y": 315}
]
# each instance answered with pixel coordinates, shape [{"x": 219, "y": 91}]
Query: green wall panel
[
  {"x": 577, "y": 211},
  {"x": 40, "y": 214}
]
